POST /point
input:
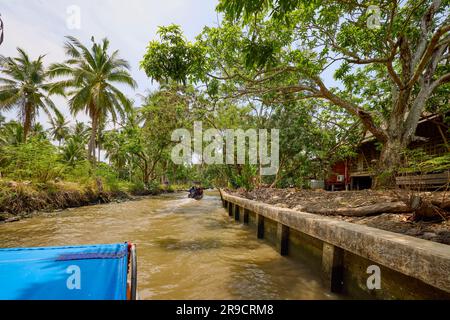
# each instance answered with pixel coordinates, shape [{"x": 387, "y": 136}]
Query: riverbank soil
[
  {"x": 387, "y": 210},
  {"x": 20, "y": 199}
]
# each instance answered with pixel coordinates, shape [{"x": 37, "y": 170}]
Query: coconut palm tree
[
  {"x": 11, "y": 134},
  {"x": 73, "y": 151},
  {"x": 59, "y": 130},
  {"x": 100, "y": 139},
  {"x": 81, "y": 131},
  {"x": 23, "y": 85},
  {"x": 39, "y": 132},
  {"x": 2, "y": 120},
  {"x": 92, "y": 75}
]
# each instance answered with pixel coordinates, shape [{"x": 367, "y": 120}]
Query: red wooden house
[{"x": 357, "y": 173}]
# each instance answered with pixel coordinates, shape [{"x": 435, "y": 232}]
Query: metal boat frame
[{"x": 133, "y": 271}]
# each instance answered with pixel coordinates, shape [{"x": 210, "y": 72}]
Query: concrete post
[
  {"x": 282, "y": 239},
  {"x": 246, "y": 214},
  {"x": 230, "y": 209},
  {"x": 236, "y": 212},
  {"x": 333, "y": 267},
  {"x": 260, "y": 226}
]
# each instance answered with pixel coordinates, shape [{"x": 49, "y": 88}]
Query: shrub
[
  {"x": 35, "y": 160},
  {"x": 108, "y": 176}
]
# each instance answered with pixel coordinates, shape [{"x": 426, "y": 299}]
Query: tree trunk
[
  {"x": 91, "y": 147},
  {"x": 425, "y": 209},
  {"x": 146, "y": 175},
  {"x": 27, "y": 121},
  {"x": 390, "y": 161}
]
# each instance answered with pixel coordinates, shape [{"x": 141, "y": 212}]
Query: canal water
[{"x": 187, "y": 249}]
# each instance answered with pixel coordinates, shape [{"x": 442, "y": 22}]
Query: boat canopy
[{"x": 97, "y": 272}]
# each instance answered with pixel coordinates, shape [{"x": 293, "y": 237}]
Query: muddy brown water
[{"x": 187, "y": 249}]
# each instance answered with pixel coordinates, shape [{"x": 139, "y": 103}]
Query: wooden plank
[{"x": 429, "y": 179}]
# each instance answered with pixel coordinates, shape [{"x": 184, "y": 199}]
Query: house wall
[{"x": 360, "y": 168}]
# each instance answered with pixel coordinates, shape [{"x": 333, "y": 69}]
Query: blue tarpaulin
[{"x": 64, "y": 273}]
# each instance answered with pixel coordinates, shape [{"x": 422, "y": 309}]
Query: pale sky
[{"x": 39, "y": 27}]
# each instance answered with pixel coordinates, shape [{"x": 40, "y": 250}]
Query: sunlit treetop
[
  {"x": 172, "y": 58},
  {"x": 247, "y": 9}
]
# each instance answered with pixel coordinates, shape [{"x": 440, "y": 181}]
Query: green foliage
[
  {"x": 441, "y": 163},
  {"x": 93, "y": 74},
  {"x": 109, "y": 177},
  {"x": 11, "y": 133},
  {"x": 73, "y": 152},
  {"x": 417, "y": 161},
  {"x": 245, "y": 177},
  {"x": 291, "y": 47},
  {"x": 247, "y": 9},
  {"x": 60, "y": 129},
  {"x": 136, "y": 188},
  {"x": 23, "y": 86},
  {"x": 35, "y": 160},
  {"x": 173, "y": 57},
  {"x": 153, "y": 187},
  {"x": 261, "y": 68},
  {"x": 80, "y": 172}
]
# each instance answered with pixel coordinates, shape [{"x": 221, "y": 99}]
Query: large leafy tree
[
  {"x": 24, "y": 86},
  {"x": 312, "y": 138},
  {"x": 386, "y": 74},
  {"x": 93, "y": 75},
  {"x": 163, "y": 111},
  {"x": 145, "y": 148},
  {"x": 173, "y": 58}
]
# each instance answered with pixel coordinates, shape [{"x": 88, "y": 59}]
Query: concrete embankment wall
[{"x": 346, "y": 253}]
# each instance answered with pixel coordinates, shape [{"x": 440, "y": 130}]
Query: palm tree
[
  {"x": 11, "y": 134},
  {"x": 60, "y": 129},
  {"x": 92, "y": 74},
  {"x": 39, "y": 132},
  {"x": 113, "y": 145},
  {"x": 73, "y": 151},
  {"x": 100, "y": 139},
  {"x": 2, "y": 120},
  {"x": 23, "y": 86},
  {"x": 81, "y": 131}
]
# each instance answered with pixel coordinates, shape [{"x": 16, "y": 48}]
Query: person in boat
[
  {"x": 192, "y": 191},
  {"x": 195, "y": 192}
]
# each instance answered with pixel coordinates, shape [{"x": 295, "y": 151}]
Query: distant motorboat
[
  {"x": 197, "y": 197},
  {"x": 196, "y": 194}
]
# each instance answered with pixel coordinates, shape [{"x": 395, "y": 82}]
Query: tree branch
[
  {"x": 428, "y": 54},
  {"x": 366, "y": 117},
  {"x": 443, "y": 79},
  {"x": 425, "y": 25}
]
